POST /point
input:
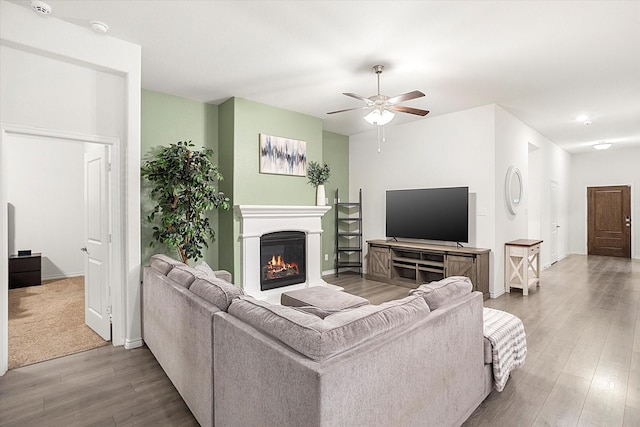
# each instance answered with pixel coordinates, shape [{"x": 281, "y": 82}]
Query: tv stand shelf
[{"x": 411, "y": 264}]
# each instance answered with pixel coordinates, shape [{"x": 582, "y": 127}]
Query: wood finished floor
[{"x": 582, "y": 368}]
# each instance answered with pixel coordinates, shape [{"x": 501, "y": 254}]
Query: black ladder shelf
[{"x": 348, "y": 234}]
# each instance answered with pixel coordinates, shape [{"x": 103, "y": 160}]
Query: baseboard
[
  {"x": 351, "y": 269},
  {"x": 62, "y": 276},
  {"x": 130, "y": 344},
  {"x": 497, "y": 294}
]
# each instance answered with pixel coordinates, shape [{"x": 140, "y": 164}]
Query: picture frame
[{"x": 282, "y": 156}]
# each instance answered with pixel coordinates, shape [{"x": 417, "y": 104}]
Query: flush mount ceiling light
[
  {"x": 604, "y": 145},
  {"x": 40, "y": 7},
  {"x": 99, "y": 27}
]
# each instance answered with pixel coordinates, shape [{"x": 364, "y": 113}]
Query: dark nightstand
[{"x": 25, "y": 270}]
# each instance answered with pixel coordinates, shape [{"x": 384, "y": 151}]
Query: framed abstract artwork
[{"x": 282, "y": 156}]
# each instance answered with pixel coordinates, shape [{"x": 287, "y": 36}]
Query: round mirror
[{"x": 513, "y": 187}]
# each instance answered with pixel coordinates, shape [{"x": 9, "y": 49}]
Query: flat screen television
[{"x": 429, "y": 213}]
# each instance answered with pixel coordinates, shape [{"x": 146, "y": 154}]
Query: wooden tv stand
[{"x": 412, "y": 264}]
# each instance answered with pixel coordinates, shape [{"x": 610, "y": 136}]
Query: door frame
[
  {"x": 116, "y": 270},
  {"x": 551, "y": 203}
]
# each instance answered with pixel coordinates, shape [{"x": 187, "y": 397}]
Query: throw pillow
[
  {"x": 204, "y": 267},
  {"x": 443, "y": 292},
  {"x": 184, "y": 275},
  {"x": 216, "y": 291},
  {"x": 163, "y": 263}
]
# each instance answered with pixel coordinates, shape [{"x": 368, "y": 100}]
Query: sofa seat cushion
[
  {"x": 163, "y": 263},
  {"x": 320, "y": 339},
  {"x": 216, "y": 291},
  {"x": 185, "y": 275},
  {"x": 321, "y": 297},
  {"x": 445, "y": 291}
]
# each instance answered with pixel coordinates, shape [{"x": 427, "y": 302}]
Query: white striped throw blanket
[{"x": 508, "y": 341}]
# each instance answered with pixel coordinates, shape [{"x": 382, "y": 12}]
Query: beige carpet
[{"x": 47, "y": 321}]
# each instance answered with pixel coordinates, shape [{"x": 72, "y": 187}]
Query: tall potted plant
[
  {"x": 318, "y": 175},
  {"x": 183, "y": 184}
]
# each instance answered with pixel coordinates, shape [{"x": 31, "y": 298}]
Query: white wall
[
  {"x": 556, "y": 166},
  {"x": 56, "y": 47},
  {"x": 514, "y": 140},
  {"x": 53, "y": 94},
  {"x": 597, "y": 168},
  {"x": 443, "y": 151},
  {"x": 471, "y": 148},
  {"x": 45, "y": 195},
  {"x": 512, "y": 147},
  {"x": 533, "y": 194}
]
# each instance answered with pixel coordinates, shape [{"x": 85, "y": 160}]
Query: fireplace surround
[{"x": 259, "y": 220}]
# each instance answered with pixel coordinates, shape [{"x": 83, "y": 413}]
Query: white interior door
[
  {"x": 553, "y": 204},
  {"x": 97, "y": 302}
]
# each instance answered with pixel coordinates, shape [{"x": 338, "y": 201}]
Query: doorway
[
  {"x": 69, "y": 286},
  {"x": 553, "y": 216},
  {"x": 609, "y": 221}
]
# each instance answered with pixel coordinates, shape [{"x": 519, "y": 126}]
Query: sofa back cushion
[
  {"x": 184, "y": 275},
  {"x": 163, "y": 263},
  {"x": 216, "y": 291},
  {"x": 445, "y": 291},
  {"x": 320, "y": 339}
]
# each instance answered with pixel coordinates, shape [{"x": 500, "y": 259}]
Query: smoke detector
[
  {"x": 40, "y": 7},
  {"x": 99, "y": 27}
]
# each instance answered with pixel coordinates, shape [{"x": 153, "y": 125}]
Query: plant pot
[{"x": 320, "y": 199}]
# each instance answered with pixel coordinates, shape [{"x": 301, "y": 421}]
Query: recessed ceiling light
[
  {"x": 602, "y": 145},
  {"x": 584, "y": 119}
]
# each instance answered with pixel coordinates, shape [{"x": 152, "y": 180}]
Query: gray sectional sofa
[{"x": 237, "y": 361}]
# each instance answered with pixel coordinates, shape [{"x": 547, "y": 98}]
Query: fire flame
[{"x": 278, "y": 265}]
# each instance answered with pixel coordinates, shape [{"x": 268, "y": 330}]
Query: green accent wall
[
  {"x": 226, "y": 237},
  {"x": 335, "y": 153},
  {"x": 232, "y": 130},
  {"x": 241, "y": 123},
  {"x": 167, "y": 119}
]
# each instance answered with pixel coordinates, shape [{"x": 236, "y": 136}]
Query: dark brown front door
[{"x": 609, "y": 221}]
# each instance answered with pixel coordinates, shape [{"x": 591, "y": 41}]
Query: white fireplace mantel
[{"x": 257, "y": 220}]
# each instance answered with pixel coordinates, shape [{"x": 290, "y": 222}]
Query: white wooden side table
[{"x": 522, "y": 264}]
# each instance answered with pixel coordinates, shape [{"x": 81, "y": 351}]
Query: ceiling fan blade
[
  {"x": 410, "y": 110},
  {"x": 360, "y": 97},
  {"x": 405, "y": 97},
  {"x": 348, "y": 109}
]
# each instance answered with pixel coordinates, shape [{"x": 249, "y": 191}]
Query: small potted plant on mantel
[{"x": 318, "y": 175}]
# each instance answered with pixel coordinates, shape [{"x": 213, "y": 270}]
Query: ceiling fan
[{"x": 382, "y": 107}]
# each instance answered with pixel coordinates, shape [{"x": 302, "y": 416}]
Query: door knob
[{"x": 84, "y": 249}]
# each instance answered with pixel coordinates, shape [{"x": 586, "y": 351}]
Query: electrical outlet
[
  {"x": 326, "y": 200},
  {"x": 326, "y": 257},
  {"x": 482, "y": 212}
]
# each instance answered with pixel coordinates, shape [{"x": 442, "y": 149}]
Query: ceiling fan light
[{"x": 379, "y": 117}]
